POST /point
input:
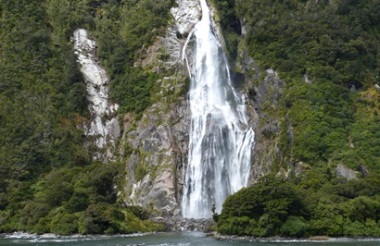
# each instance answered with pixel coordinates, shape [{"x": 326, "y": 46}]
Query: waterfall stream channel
[{"x": 221, "y": 141}]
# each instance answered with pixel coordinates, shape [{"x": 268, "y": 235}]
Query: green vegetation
[
  {"x": 278, "y": 207},
  {"x": 124, "y": 31},
  {"x": 328, "y": 54},
  {"x": 230, "y": 24},
  {"x": 50, "y": 183},
  {"x": 334, "y": 44},
  {"x": 48, "y": 179},
  {"x": 74, "y": 200},
  {"x": 332, "y": 40}
]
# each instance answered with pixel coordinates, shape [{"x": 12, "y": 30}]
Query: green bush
[
  {"x": 64, "y": 224},
  {"x": 140, "y": 212},
  {"x": 269, "y": 203},
  {"x": 79, "y": 201},
  {"x": 294, "y": 227},
  {"x": 277, "y": 207},
  {"x": 32, "y": 213},
  {"x": 94, "y": 220}
]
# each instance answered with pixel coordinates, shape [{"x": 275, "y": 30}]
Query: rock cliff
[
  {"x": 104, "y": 126},
  {"x": 154, "y": 145}
]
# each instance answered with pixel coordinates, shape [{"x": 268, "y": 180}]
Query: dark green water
[{"x": 165, "y": 239}]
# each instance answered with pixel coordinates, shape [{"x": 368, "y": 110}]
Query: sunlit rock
[{"x": 103, "y": 126}]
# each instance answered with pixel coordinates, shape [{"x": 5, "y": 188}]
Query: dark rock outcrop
[{"x": 180, "y": 224}]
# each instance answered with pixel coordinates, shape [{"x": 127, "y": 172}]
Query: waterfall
[{"x": 221, "y": 140}]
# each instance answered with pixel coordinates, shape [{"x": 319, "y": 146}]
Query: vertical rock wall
[
  {"x": 156, "y": 145},
  {"x": 104, "y": 126},
  {"x": 265, "y": 90}
]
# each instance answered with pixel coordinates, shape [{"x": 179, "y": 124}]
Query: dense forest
[
  {"x": 326, "y": 51},
  {"x": 48, "y": 179}
]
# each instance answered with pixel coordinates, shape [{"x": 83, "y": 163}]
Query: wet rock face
[
  {"x": 264, "y": 97},
  {"x": 159, "y": 145},
  {"x": 158, "y": 142},
  {"x": 106, "y": 132},
  {"x": 152, "y": 167}
]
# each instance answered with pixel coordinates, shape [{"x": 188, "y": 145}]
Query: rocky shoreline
[
  {"x": 48, "y": 236},
  {"x": 181, "y": 224},
  {"x": 178, "y": 224},
  {"x": 186, "y": 225},
  {"x": 217, "y": 236}
]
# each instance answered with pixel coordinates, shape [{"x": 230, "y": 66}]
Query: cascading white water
[{"x": 220, "y": 139}]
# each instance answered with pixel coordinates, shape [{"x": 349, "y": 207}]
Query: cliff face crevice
[
  {"x": 268, "y": 154},
  {"x": 156, "y": 145}
]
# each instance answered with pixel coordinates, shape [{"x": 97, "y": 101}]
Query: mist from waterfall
[{"x": 221, "y": 140}]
